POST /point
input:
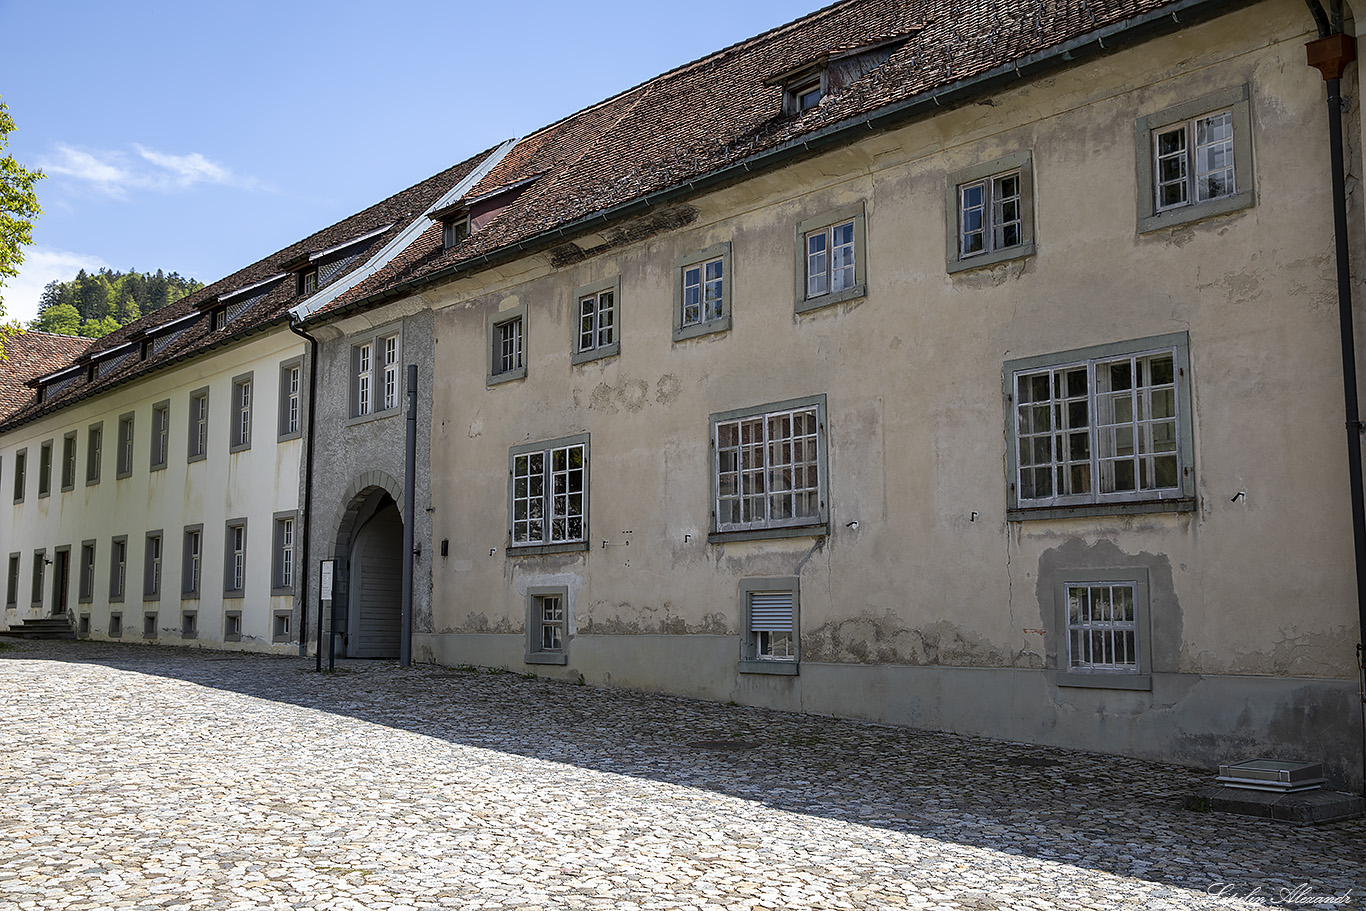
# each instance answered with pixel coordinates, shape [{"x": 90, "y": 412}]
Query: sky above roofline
[{"x": 200, "y": 138}]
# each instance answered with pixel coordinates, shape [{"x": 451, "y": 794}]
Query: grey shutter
[{"x": 770, "y": 612}]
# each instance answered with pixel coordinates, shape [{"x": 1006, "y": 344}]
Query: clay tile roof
[
  {"x": 265, "y": 291},
  {"x": 28, "y": 356},
  {"x": 725, "y": 108}
]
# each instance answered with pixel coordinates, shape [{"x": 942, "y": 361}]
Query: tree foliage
[
  {"x": 105, "y": 300},
  {"x": 18, "y": 208}
]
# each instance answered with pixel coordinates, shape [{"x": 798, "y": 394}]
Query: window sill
[
  {"x": 1104, "y": 681},
  {"x": 494, "y": 379},
  {"x": 1185, "y": 215},
  {"x": 546, "y": 658},
  {"x": 286, "y": 437},
  {"x": 234, "y": 594},
  {"x": 1020, "y": 251},
  {"x": 536, "y": 550},
  {"x": 1131, "y": 508},
  {"x": 189, "y": 596},
  {"x": 67, "y": 488},
  {"x": 806, "y": 305},
  {"x": 760, "y": 534},
  {"x": 711, "y": 327},
  {"x": 360, "y": 419},
  {"x": 92, "y": 482},
  {"x": 281, "y": 591},
  {"x": 189, "y": 635},
  {"x": 595, "y": 354},
  {"x": 772, "y": 667}
]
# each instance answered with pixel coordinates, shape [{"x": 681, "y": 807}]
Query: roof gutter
[{"x": 1102, "y": 41}]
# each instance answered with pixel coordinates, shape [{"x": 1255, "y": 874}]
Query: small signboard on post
[{"x": 325, "y": 580}]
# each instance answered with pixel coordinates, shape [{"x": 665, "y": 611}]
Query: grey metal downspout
[
  {"x": 1330, "y": 54},
  {"x": 308, "y": 494},
  {"x": 405, "y": 641}
]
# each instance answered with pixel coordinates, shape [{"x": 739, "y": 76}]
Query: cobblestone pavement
[{"x": 142, "y": 777}]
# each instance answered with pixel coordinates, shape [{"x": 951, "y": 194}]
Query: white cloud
[
  {"x": 116, "y": 173},
  {"x": 41, "y": 265}
]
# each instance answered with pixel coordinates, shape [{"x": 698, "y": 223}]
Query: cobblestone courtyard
[{"x": 139, "y": 777}]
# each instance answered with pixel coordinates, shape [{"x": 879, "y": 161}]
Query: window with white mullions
[
  {"x": 768, "y": 470},
  {"x": 1102, "y": 631},
  {"x": 364, "y": 355},
  {"x": 1195, "y": 161},
  {"x": 1108, "y": 428},
  {"x": 990, "y": 214},
  {"x": 703, "y": 292},
  {"x": 771, "y": 626},
  {"x": 597, "y": 320},
  {"x": 549, "y": 494},
  {"x": 551, "y": 623},
  {"x": 830, "y": 264},
  {"x": 509, "y": 345},
  {"x": 390, "y": 348}
]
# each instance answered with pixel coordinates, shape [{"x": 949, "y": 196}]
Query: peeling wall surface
[
  {"x": 923, "y": 597},
  {"x": 358, "y": 458},
  {"x": 229, "y": 484}
]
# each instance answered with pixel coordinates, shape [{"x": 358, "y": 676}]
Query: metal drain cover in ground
[{"x": 722, "y": 744}]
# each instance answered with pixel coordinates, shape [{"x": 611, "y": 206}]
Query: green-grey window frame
[
  {"x": 1064, "y": 674},
  {"x": 118, "y": 570},
  {"x": 818, "y": 526},
  {"x": 39, "y": 575},
  {"x": 278, "y": 550},
  {"x": 116, "y": 624},
  {"x": 232, "y": 626},
  {"x": 45, "y": 469},
  {"x": 546, "y": 447},
  {"x": 127, "y": 427},
  {"x": 12, "y": 579},
  {"x": 288, "y": 398},
  {"x": 197, "y": 450},
  {"x": 750, "y": 660},
  {"x": 1023, "y": 162},
  {"x": 20, "y": 473},
  {"x": 153, "y": 565},
  {"x": 69, "y": 460},
  {"x": 149, "y": 624},
  {"x": 94, "y": 453},
  {"x": 161, "y": 434},
  {"x": 229, "y": 559},
  {"x": 492, "y": 345},
  {"x": 854, "y": 212},
  {"x": 85, "y": 592},
  {"x": 189, "y": 624},
  {"x": 535, "y": 598},
  {"x": 1236, "y": 101},
  {"x": 581, "y": 355},
  {"x": 1181, "y": 499},
  {"x": 721, "y": 251},
  {"x": 191, "y": 575},
  {"x": 241, "y": 421}
]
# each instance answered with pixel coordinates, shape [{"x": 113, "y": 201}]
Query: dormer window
[
  {"x": 308, "y": 281},
  {"x": 468, "y": 216},
  {"x": 220, "y": 318},
  {"x": 456, "y": 230},
  {"x": 830, "y": 72},
  {"x": 804, "y": 95}
]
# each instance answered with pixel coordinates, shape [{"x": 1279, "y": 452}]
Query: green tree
[
  {"x": 18, "y": 208},
  {"x": 62, "y": 319},
  {"x": 98, "y": 328}
]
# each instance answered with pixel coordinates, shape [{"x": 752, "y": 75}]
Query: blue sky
[{"x": 198, "y": 138}]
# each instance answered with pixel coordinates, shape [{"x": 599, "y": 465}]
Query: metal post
[{"x": 405, "y": 645}]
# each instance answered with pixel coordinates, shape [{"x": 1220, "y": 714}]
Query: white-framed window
[
  {"x": 239, "y": 432},
  {"x": 118, "y": 567},
  {"x": 376, "y": 380},
  {"x": 45, "y": 469},
  {"x": 282, "y": 561},
  {"x": 20, "y": 474},
  {"x": 1103, "y": 623},
  {"x": 85, "y": 593},
  {"x": 199, "y": 424},
  {"x": 596, "y": 330},
  {"x": 548, "y": 494},
  {"x": 991, "y": 208},
  {"x": 1195, "y": 160},
  {"x": 125, "y": 456},
  {"x": 308, "y": 281},
  {"x": 291, "y": 388},
  {"x": 161, "y": 425},
  {"x": 769, "y": 612},
  {"x": 94, "y": 453},
  {"x": 830, "y": 258},
  {"x": 768, "y": 469},
  {"x": 507, "y": 345},
  {"x": 192, "y": 561},
  {"x": 547, "y": 625},
  {"x": 69, "y": 461},
  {"x": 702, "y": 284},
  {"x": 151, "y": 582},
  {"x": 235, "y": 559},
  {"x": 1102, "y": 426}
]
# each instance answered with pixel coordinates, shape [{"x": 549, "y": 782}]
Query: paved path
[{"x": 142, "y": 777}]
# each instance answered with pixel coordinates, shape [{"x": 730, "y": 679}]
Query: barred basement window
[
  {"x": 1104, "y": 616},
  {"x": 547, "y": 625},
  {"x": 548, "y": 494}
]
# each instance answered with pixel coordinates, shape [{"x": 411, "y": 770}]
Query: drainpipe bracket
[{"x": 1331, "y": 55}]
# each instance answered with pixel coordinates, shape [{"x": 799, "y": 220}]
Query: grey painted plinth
[{"x": 1302, "y": 808}]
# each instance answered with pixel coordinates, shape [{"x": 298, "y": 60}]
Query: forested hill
[{"x": 95, "y": 304}]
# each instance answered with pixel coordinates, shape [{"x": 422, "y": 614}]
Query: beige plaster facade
[{"x": 923, "y": 599}]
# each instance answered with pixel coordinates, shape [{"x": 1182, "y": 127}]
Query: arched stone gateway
[{"x": 369, "y": 554}]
